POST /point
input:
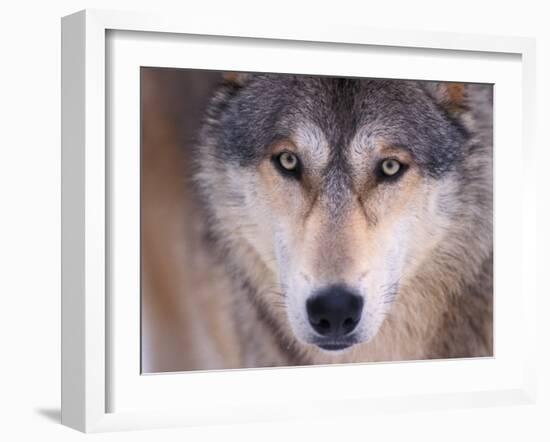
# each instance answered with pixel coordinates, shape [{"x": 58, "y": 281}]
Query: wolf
[{"x": 353, "y": 217}]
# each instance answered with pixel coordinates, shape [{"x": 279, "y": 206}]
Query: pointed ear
[
  {"x": 235, "y": 78},
  {"x": 452, "y": 96}
]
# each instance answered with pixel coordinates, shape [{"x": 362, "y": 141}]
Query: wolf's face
[{"x": 339, "y": 188}]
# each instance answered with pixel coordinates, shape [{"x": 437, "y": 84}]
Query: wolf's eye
[
  {"x": 288, "y": 164},
  {"x": 288, "y": 161},
  {"x": 391, "y": 168}
]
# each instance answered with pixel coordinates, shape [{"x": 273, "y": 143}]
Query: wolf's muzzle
[{"x": 334, "y": 313}]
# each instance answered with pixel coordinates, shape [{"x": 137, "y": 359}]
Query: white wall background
[{"x": 30, "y": 216}]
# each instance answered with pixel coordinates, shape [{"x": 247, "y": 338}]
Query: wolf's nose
[{"x": 334, "y": 311}]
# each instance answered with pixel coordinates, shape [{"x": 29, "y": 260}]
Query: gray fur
[
  {"x": 245, "y": 120},
  {"x": 449, "y": 299}
]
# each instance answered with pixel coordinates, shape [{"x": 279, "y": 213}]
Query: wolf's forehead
[
  {"x": 334, "y": 106},
  {"x": 309, "y": 136},
  {"x": 344, "y": 114},
  {"x": 347, "y": 111},
  {"x": 357, "y": 116},
  {"x": 349, "y": 153},
  {"x": 341, "y": 164}
]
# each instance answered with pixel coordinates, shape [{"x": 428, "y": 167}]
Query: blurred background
[{"x": 179, "y": 276}]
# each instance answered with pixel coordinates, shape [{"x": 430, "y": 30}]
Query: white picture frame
[{"x": 90, "y": 353}]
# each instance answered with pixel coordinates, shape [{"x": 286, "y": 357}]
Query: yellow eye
[
  {"x": 288, "y": 161},
  {"x": 390, "y": 167}
]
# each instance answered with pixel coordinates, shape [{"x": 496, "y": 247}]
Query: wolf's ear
[
  {"x": 235, "y": 78},
  {"x": 451, "y": 96}
]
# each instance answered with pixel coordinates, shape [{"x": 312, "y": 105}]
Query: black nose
[{"x": 334, "y": 311}]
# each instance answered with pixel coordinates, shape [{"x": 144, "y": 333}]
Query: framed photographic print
[{"x": 262, "y": 222}]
